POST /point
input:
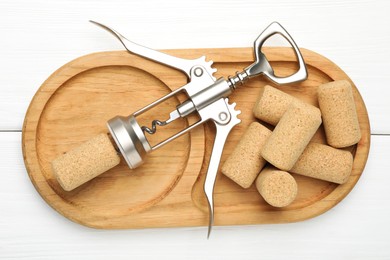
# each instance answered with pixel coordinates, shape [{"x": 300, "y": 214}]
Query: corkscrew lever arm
[
  {"x": 184, "y": 65},
  {"x": 224, "y": 117}
]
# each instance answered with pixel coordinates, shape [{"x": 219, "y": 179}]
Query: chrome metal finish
[
  {"x": 224, "y": 117},
  {"x": 153, "y": 130},
  {"x": 240, "y": 79},
  {"x": 173, "y": 116},
  {"x": 173, "y": 137},
  {"x": 177, "y": 63},
  {"x": 261, "y": 64},
  {"x": 130, "y": 139},
  {"x": 186, "y": 108},
  {"x": 206, "y": 96}
]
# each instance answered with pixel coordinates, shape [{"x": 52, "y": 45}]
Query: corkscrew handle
[
  {"x": 184, "y": 65},
  {"x": 224, "y": 117},
  {"x": 261, "y": 66}
]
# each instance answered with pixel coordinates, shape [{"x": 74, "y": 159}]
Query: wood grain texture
[
  {"x": 39, "y": 36},
  {"x": 75, "y": 101},
  {"x": 356, "y": 228}
]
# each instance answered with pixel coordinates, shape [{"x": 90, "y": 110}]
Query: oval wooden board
[{"x": 75, "y": 102}]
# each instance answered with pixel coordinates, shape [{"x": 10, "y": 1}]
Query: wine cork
[
  {"x": 272, "y": 104},
  {"x": 339, "y": 114},
  {"x": 85, "y": 162},
  {"x": 245, "y": 162},
  {"x": 291, "y": 135},
  {"x": 325, "y": 163},
  {"x": 278, "y": 188}
]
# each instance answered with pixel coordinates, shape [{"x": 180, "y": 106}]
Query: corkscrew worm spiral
[{"x": 154, "y": 126}]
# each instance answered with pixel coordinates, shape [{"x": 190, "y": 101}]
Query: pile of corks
[{"x": 288, "y": 148}]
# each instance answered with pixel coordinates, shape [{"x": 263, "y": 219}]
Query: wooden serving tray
[{"x": 75, "y": 102}]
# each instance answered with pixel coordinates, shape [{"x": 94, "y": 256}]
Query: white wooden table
[{"x": 37, "y": 37}]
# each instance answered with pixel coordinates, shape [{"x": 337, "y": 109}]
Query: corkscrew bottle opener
[{"x": 207, "y": 97}]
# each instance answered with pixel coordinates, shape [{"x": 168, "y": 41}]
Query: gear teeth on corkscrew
[
  {"x": 234, "y": 113},
  {"x": 208, "y": 66}
]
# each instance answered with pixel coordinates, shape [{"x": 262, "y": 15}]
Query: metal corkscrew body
[{"x": 207, "y": 97}]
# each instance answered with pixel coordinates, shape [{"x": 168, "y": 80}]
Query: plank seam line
[{"x": 11, "y": 131}]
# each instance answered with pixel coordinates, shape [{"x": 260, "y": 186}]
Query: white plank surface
[
  {"x": 357, "y": 228},
  {"x": 37, "y": 37}
]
